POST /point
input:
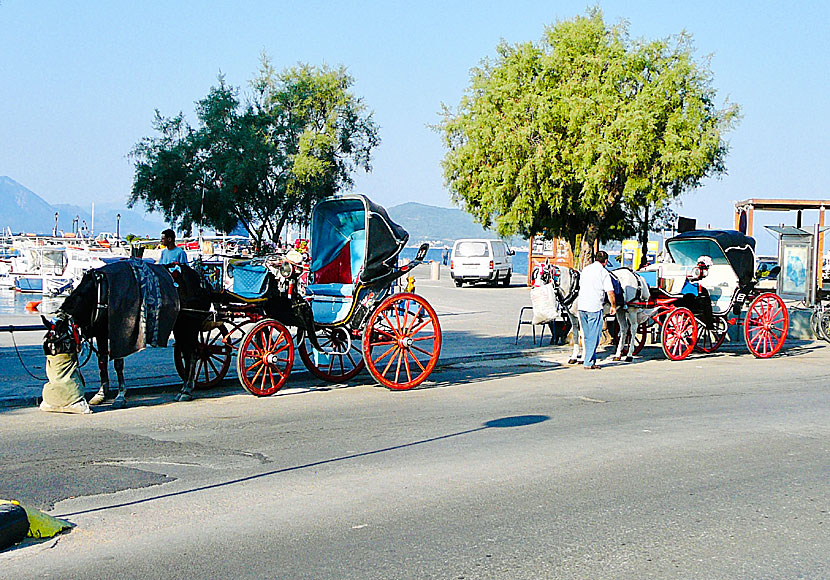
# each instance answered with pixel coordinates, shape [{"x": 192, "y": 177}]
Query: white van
[{"x": 480, "y": 260}]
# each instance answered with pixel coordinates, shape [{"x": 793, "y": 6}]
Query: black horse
[{"x": 102, "y": 296}]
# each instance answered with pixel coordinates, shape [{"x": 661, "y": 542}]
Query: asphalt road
[{"x": 714, "y": 467}]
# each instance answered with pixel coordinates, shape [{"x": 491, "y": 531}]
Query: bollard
[{"x": 435, "y": 272}]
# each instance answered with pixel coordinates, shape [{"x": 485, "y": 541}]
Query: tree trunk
[
  {"x": 644, "y": 241},
  {"x": 589, "y": 238}
]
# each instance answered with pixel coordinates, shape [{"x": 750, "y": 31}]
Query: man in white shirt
[{"x": 594, "y": 285}]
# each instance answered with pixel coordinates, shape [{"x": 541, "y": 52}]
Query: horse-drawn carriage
[
  {"x": 708, "y": 286},
  {"x": 348, "y": 317}
]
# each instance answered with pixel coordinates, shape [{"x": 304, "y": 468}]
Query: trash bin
[{"x": 435, "y": 272}]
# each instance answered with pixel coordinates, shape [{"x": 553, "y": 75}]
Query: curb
[
  {"x": 23, "y": 401},
  {"x": 34, "y": 400}
]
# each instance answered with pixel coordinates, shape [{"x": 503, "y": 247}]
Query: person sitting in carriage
[{"x": 697, "y": 293}]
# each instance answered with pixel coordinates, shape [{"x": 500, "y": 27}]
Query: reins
[{"x": 14, "y": 342}]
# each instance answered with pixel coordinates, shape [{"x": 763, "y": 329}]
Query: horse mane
[{"x": 81, "y": 302}]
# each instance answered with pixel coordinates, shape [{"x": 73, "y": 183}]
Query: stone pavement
[{"x": 478, "y": 323}]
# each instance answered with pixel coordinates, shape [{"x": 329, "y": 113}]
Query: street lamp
[
  {"x": 55, "y": 230},
  {"x": 118, "y": 227},
  {"x": 76, "y": 225}
]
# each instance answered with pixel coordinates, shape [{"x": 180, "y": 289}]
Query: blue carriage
[{"x": 343, "y": 307}]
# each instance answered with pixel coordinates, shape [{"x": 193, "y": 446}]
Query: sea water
[{"x": 12, "y": 302}]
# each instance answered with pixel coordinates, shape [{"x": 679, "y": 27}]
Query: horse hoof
[
  {"x": 119, "y": 403},
  {"x": 182, "y": 397},
  {"x": 571, "y": 361},
  {"x": 629, "y": 359},
  {"x": 616, "y": 359},
  {"x": 97, "y": 399}
]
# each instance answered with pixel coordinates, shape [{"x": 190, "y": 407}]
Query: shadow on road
[{"x": 503, "y": 422}]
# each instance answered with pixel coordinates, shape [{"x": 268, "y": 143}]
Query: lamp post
[
  {"x": 55, "y": 230},
  {"x": 118, "y": 227},
  {"x": 76, "y": 225}
]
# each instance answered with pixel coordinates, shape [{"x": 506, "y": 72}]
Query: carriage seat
[
  {"x": 720, "y": 284},
  {"x": 250, "y": 281},
  {"x": 330, "y": 303},
  {"x": 333, "y": 289}
]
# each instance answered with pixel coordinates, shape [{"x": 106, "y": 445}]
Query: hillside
[{"x": 25, "y": 211}]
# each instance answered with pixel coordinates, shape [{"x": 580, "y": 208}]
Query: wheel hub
[{"x": 405, "y": 342}]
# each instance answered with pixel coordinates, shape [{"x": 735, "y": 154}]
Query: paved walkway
[{"x": 478, "y": 323}]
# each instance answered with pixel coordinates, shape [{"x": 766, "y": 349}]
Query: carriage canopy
[
  {"x": 723, "y": 246},
  {"x": 353, "y": 239}
]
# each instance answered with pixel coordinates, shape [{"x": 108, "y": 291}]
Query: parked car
[{"x": 481, "y": 260}]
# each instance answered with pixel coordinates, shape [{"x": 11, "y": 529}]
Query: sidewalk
[{"x": 477, "y": 323}]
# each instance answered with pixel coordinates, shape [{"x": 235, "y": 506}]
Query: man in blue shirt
[{"x": 171, "y": 254}]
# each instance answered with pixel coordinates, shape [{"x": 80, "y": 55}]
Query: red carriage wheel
[
  {"x": 766, "y": 325},
  {"x": 710, "y": 339},
  {"x": 213, "y": 357},
  {"x": 266, "y": 355},
  {"x": 402, "y": 341},
  {"x": 679, "y": 333},
  {"x": 341, "y": 358}
]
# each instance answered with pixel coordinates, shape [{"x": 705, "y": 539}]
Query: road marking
[{"x": 590, "y": 400}]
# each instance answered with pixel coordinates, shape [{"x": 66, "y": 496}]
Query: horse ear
[{"x": 47, "y": 323}]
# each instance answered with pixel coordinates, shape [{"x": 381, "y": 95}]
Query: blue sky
[{"x": 79, "y": 82}]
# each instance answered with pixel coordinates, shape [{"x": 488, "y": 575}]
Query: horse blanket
[{"x": 142, "y": 304}]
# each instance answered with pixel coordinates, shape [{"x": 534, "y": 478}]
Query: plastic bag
[{"x": 544, "y": 302}]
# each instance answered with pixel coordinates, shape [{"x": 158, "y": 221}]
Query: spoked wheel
[
  {"x": 341, "y": 358},
  {"x": 639, "y": 339},
  {"x": 679, "y": 333},
  {"x": 213, "y": 357},
  {"x": 710, "y": 339},
  {"x": 266, "y": 355},
  {"x": 402, "y": 341},
  {"x": 824, "y": 325},
  {"x": 766, "y": 325}
]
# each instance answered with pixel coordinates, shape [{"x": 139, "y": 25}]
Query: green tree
[
  {"x": 647, "y": 218},
  {"x": 570, "y": 135},
  {"x": 262, "y": 163}
]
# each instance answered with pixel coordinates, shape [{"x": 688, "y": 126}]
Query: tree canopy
[
  {"x": 573, "y": 135},
  {"x": 261, "y": 163}
]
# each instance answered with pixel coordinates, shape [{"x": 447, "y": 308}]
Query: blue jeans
[{"x": 591, "y": 323}]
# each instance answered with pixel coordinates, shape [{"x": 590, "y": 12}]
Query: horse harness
[
  {"x": 102, "y": 303},
  {"x": 566, "y": 301}
]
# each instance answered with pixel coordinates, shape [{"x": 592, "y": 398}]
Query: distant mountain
[
  {"x": 24, "y": 211},
  {"x": 441, "y": 225}
]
